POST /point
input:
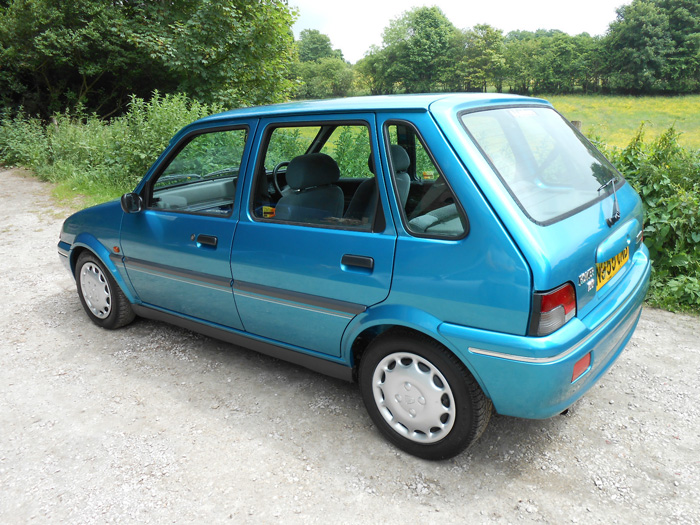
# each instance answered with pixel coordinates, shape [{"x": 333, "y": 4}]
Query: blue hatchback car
[{"x": 453, "y": 254}]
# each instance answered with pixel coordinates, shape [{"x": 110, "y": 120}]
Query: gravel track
[{"x": 156, "y": 424}]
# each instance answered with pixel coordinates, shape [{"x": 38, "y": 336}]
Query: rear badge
[{"x": 587, "y": 277}]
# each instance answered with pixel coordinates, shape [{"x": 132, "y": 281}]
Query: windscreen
[{"x": 549, "y": 169}]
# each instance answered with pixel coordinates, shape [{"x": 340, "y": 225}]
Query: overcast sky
[{"x": 354, "y": 25}]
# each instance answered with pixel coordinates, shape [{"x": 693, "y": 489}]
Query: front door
[{"x": 177, "y": 251}]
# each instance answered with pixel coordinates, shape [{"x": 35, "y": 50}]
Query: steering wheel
[{"x": 275, "y": 178}]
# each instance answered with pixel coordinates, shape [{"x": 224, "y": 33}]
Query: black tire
[
  {"x": 100, "y": 295},
  {"x": 420, "y": 396}
]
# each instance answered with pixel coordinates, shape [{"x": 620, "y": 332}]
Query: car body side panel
[{"x": 170, "y": 269}]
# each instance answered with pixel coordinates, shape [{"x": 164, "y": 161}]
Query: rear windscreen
[{"x": 550, "y": 170}]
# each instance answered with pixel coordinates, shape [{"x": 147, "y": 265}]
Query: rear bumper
[{"x": 531, "y": 377}]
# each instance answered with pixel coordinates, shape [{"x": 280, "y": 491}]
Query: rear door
[{"x": 301, "y": 282}]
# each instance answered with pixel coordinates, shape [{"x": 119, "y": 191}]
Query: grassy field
[{"x": 616, "y": 119}]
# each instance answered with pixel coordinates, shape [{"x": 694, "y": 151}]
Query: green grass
[{"x": 616, "y": 119}]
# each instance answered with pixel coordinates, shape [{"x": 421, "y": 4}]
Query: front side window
[
  {"x": 202, "y": 176},
  {"x": 317, "y": 175},
  {"x": 428, "y": 204},
  {"x": 547, "y": 167}
]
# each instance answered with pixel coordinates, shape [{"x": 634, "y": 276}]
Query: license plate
[{"x": 606, "y": 270}]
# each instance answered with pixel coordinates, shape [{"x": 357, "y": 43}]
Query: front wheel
[
  {"x": 100, "y": 295},
  {"x": 421, "y": 397}
]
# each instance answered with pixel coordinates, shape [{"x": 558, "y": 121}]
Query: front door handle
[
  {"x": 207, "y": 240},
  {"x": 358, "y": 261}
]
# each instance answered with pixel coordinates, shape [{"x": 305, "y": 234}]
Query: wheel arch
[
  {"x": 376, "y": 321},
  {"x": 88, "y": 243}
]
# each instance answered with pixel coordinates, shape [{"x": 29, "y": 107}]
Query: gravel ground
[{"x": 155, "y": 424}]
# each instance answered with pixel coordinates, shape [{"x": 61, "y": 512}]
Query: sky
[{"x": 354, "y": 25}]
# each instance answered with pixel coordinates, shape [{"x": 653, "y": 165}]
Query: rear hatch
[{"x": 574, "y": 217}]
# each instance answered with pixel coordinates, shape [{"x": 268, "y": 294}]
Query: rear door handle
[
  {"x": 208, "y": 240},
  {"x": 358, "y": 261}
]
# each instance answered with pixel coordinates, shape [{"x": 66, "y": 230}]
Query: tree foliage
[
  {"x": 665, "y": 176},
  {"x": 653, "y": 46},
  {"x": 96, "y": 53},
  {"x": 320, "y": 71},
  {"x": 480, "y": 60},
  {"x": 314, "y": 45},
  {"x": 415, "y": 54},
  {"x": 324, "y": 78},
  {"x": 639, "y": 43}
]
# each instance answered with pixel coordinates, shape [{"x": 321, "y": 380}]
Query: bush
[
  {"x": 23, "y": 141},
  {"x": 92, "y": 156},
  {"x": 667, "y": 177}
]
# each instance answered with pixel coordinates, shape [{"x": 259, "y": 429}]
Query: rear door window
[{"x": 318, "y": 174}]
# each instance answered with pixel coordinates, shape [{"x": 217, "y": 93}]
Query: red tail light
[{"x": 553, "y": 309}]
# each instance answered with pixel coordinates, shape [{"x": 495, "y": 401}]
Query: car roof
[{"x": 419, "y": 102}]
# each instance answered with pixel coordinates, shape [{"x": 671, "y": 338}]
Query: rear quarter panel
[{"x": 480, "y": 280}]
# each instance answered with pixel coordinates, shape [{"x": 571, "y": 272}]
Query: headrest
[
  {"x": 399, "y": 158},
  {"x": 370, "y": 162},
  {"x": 314, "y": 169}
]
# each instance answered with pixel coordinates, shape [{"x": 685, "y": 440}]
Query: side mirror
[{"x": 132, "y": 203}]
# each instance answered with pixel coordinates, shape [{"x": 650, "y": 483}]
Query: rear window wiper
[{"x": 616, "y": 207}]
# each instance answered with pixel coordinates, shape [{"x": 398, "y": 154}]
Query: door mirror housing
[{"x": 132, "y": 203}]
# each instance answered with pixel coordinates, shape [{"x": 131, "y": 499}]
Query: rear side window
[
  {"x": 549, "y": 169},
  {"x": 429, "y": 206}
]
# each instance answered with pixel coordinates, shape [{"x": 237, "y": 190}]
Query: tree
[
  {"x": 639, "y": 45},
  {"x": 521, "y": 50},
  {"x": 372, "y": 72},
  {"x": 557, "y": 64},
  {"x": 479, "y": 58},
  {"x": 320, "y": 71},
  {"x": 683, "y": 68},
  {"x": 324, "y": 78},
  {"x": 416, "y": 46},
  {"x": 314, "y": 45},
  {"x": 589, "y": 62},
  {"x": 96, "y": 53}
]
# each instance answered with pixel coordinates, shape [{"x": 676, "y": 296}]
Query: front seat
[
  {"x": 315, "y": 196},
  {"x": 364, "y": 201}
]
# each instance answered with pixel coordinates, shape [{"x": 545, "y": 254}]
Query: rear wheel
[
  {"x": 100, "y": 295},
  {"x": 421, "y": 397}
]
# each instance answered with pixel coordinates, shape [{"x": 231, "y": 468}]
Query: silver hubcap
[
  {"x": 95, "y": 290},
  {"x": 414, "y": 397}
]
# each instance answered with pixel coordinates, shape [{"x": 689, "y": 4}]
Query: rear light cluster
[{"x": 553, "y": 309}]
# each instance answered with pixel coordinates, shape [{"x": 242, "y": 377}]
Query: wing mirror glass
[{"x": 132, "y": 203}]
